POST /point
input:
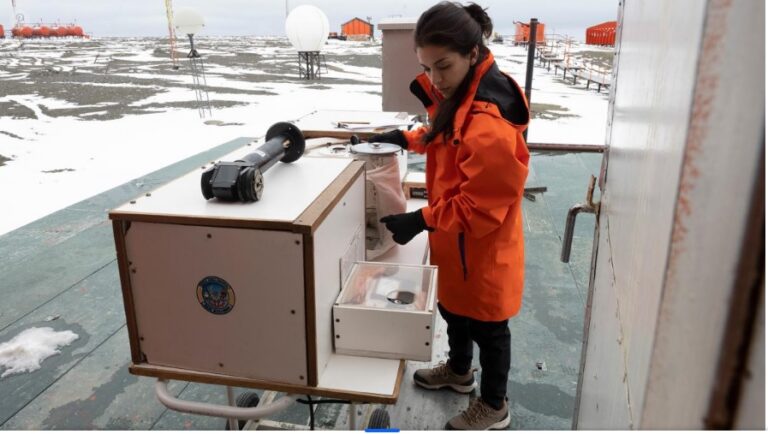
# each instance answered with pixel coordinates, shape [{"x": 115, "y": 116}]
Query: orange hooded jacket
[{"x": 475, "y": 183}]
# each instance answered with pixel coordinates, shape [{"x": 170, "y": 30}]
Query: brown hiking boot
[
  {"x": 442, "y": 376},
  {"x": 480, "y": 417}
]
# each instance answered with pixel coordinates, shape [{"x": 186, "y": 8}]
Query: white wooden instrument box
[{"x": 240, "y": 293}]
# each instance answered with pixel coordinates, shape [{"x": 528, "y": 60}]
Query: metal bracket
[{"x": 528, "y": 192}]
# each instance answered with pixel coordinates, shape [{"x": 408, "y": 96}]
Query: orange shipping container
[
  {"x": 356, "y": 26},
  {"x": 2, "y": 32},
  {"x": 602, "y": 34}
]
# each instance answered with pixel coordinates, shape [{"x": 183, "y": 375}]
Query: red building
[
  {"x": 523, "y": 32},
  {"x": 357, "y": 27},
  {"x": 602, "y": 34}
]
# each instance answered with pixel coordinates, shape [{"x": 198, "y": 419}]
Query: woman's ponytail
[{"x": 478, "y": 14}]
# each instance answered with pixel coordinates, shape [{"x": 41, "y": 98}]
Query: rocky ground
[{"x": 113, "y": 77}]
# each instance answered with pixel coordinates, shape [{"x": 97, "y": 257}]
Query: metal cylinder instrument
[
  {"x": 383, "y": 191},
  {"x": 242, "y": 180}
]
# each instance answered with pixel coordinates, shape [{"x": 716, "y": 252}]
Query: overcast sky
[{"x": 267, "y": 17}]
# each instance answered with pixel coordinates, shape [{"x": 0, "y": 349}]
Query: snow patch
[{"x": 28, "y": 349}]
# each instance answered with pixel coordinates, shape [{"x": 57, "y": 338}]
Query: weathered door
[{"x": 680, "y": 227}]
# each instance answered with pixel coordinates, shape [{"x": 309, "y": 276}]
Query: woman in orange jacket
[{"x": 477, "y": 164}]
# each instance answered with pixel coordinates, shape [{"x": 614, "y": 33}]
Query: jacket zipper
[{"x": 462, "y": 254}]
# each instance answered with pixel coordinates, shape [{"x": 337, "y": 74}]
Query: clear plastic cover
[{"x": 388, "y": 286}]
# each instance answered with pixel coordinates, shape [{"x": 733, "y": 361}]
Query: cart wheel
[
  {"x": 379, "y": 419},
  {"x": 245, "y": 400}
]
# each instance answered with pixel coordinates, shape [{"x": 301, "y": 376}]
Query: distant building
[
  {"x": 2, "y": 32},
  {"x": 602, "y": 34},
  {"x": 523, "y": 32},
  {"x": 357, "y": 29}
]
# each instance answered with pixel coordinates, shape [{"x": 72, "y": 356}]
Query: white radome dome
[
  {"x": 188, "y": 21},
  {"x": 307, "y": 28}
]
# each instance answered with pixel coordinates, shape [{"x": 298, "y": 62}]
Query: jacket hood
[{"x": 501, "y": 90}]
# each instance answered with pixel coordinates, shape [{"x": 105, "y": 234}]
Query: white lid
[{"x": 375, "y": 148}]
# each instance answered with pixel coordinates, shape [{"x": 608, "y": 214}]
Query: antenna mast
[
  {"x": 15, "y": 17},
  {"x": 171, "y": 32}
]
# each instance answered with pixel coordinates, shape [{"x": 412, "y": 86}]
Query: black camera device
[{"x": 242, "y": 180}]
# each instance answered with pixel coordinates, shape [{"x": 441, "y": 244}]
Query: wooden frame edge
[
  {"x": 119, "y": 231},
  {"x": 165, "y": 373},
  {"x": 319, "y": 209},
  {"x": 309, "y": 310},
  {"x": 210, "y": 221}
]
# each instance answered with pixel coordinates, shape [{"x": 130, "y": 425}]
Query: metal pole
[
  {"x": 352, "y": 416},
  {"x": 529, "y": 66},
  {"x": 234, "y": 424},
  {"x": 565, "y": 147}
]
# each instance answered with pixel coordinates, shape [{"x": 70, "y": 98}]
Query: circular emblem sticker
[{"x": 215, "y": 295}]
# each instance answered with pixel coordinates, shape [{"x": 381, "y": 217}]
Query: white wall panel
[
  {"x": 719, "y": 170},
  {"x": 652, "y": 96},
  {"x": 687, "y": 132}
]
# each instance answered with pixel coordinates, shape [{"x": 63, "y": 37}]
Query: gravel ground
[{"x": 110, "y": 78}]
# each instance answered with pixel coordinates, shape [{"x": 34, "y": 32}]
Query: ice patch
[{"x": 28, "y": 349}]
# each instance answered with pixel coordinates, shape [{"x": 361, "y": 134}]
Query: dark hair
[{"x": 461, "y": 29}]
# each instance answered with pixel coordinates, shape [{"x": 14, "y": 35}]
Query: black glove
[
  {"x": 405, "y": 226},
  {"x": 395, "y": 137}
]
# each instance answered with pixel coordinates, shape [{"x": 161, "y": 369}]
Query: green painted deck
[{"x": 61, "y": 272}]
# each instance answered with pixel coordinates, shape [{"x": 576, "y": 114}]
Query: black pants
[{"x": 493, "y": 339}]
